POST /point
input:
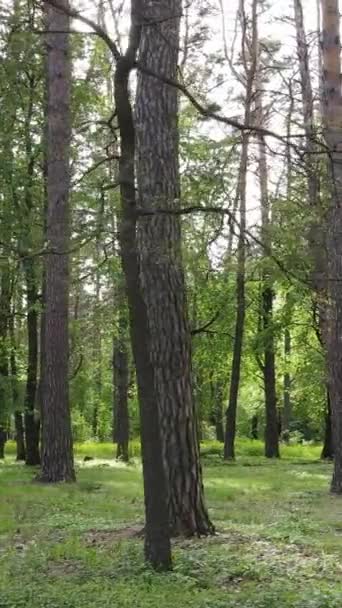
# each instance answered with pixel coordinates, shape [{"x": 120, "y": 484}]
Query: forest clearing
[{"x": 278, "y": 540}]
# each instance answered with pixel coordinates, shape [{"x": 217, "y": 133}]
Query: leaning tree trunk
[
  {"x": 157, "y": 538},
  {"x": 161, "y": 274},
  {"x": 57, "y": 449},
  {"x": 31, "y": 418},
  {"x": 332, "y": 117}
]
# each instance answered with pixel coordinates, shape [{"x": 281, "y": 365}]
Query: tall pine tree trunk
[
  {"x": 157, "y": 539},
  {"x": 161, "y": 271},
  {"x": 332, "y": 117},
  {"x": 57, "y": 449}
]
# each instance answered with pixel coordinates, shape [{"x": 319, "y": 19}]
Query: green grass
[{"x": 279, "y": 541}]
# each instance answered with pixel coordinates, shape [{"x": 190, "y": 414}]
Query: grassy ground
[{"x": 279, "y": 541}]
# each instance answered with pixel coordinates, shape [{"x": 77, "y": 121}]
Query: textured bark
[
  {"x": 332, "y": 116},
  {"x": 31, "y": 419},
  {"x": 161, "y": 274},
  {"x": 57, "y": 450},
  {"x": 249, "y": 52},
  {"x": 157, "y": 539},
  {"x": 328, "y": 446}
]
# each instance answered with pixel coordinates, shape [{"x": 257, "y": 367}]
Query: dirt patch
[
  {"x": 64, "y": 567},
  {"x": 106, "y": 538}
]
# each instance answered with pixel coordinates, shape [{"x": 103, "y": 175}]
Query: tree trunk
[
  {"x": 57, "y": 449},
  {"x": 287, "y": 406},
  {"x": 157, "y": 539},
  {"x": 328, "y": 447},
  {"x": 18, "y": 417},
  {"x": 161, "y": 270},
  {"x": 272, "y": 424},
  {"x": 249, "y": 52},
  {"x": 229, "y": 443},
  {"x": 217, "y": 399},
  {"x": 332, "y": 117},
  {"x": 254, "y": 427},
  {"x": 120, "y": 383},
  {"x": 19, "y": 436},
  {"x": 3, "y": 437},
  {"x": 5, "y": 308},
  {"x": 31, "y": 417}
]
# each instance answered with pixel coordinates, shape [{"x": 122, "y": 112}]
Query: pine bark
[
  {"x": 332, "y": 117},
  {"x": 157, "y": 540},
  {"x": 161, "y": 273},
  {"x": 57, "y": 449}
]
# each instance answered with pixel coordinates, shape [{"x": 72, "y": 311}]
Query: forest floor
[{"x": 278, "y": 543}]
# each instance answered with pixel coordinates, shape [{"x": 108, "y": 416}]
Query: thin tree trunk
[
  {"x": 287, "y": 405},
  {"x": 249, "y": 53},
  {"x": 328, "y": 447},
  {"x": 161, "y": 272},
  {"x": 267, "y": 295},
  {"x": 3, "y": 438},
  {"x": 120, "y": 382},
  {"x": 254, "y": 427},
  {"x": 5, "y": 308},
  {"x": 57, "y": 449},
  {"x": 31, "y": 418},
  {"x": 18, "y": 416},
  {"x": 272, "y": 423},
  {"x": 157, "y": 539},
  {"x": 216, "y": 390},
  {"x": 332, "y": 117}
]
